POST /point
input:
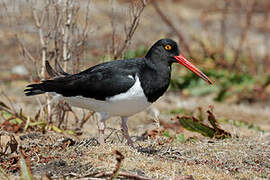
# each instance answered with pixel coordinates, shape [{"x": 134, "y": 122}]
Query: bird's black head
[{"x": 165, "y": 52}]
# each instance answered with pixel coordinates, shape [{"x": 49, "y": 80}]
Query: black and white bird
[{"x": 121, "y": 87}]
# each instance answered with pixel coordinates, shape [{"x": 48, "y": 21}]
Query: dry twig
[
  {"x": 39, "y": 23},
  {"x": 86, "y": 118},
  {"x": 174, "y": 29},
  {"x": 223, "y": 27},
  {"x": 66, "y": 33},
  {"x": 103, "y": 174},
  {"x": 245, "y": 29},
  {"x": 137, "y": 9},
  {"x": 119, "y": 158},
  {"x": 44, "y": 44}
]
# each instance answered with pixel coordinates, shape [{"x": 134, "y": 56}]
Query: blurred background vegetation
[{"x": 227, "y": 39}]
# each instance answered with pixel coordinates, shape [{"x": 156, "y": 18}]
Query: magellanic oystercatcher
[{"x": 121, "y": 87}]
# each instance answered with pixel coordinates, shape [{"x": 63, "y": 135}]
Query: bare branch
[
  {"x": 137, "y": 9},
  {"x": 42, "y": 42},
  {"x": 26, "y": 52},
  {"x": 223, "y": 27},
  {"x": 244, "y": 32},
  {"x": 171, "y": 25},
  {"x": 113, "y": 49},
  {"x": 86, "y": 118},
  {"x": 66, "y": 55},
  {"x": 39, "y": 22}
]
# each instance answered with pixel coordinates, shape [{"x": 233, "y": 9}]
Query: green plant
[
  {"x": 180, "y": 138},
  {"x": 166, "y": 134},
  {"x": 195, "y": 125},
  {"x": 139, "y": 52}
]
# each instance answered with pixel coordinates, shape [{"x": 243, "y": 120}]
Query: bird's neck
[
  {"x": 157, "y": 59},
  {"x": 155, "y": 79}
]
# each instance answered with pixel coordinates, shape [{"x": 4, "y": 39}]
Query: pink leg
[
  {"x": 102, "y": 127},
  {"x": 124, "y": 130}
]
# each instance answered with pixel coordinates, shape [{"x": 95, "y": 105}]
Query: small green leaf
[
  {"x": 16, "y": 121},
  {"x": 130, "y": 54},
  {"x": 177, "y": 111},
  {"x": 192, "y": 139},
  {"x": 6, "y": 115},
  {"x": 37, "y": 123},
  {"x": 69, "y": 132},
  {"x": 56, "y": 129},
  {"x": 181, "y": 138},
  {"x": 166, "y": 134},
  {"x": 194, "y": 125}
]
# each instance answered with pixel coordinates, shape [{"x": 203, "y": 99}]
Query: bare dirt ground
[{"x": 58, "y": 155}]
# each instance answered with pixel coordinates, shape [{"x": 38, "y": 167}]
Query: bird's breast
[{"x": 155, "y": 83}]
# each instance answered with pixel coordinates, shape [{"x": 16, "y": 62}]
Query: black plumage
[{"x": 111, "y": 78}]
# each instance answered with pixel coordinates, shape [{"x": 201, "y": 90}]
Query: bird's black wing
[{"x": 98, "y": 82}]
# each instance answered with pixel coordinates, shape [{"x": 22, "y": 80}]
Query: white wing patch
[
  {"x": 131, "y": 77},
  {"x": 134, "y": 93}
]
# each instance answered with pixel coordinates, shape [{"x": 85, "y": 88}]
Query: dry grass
[{"x": 236, "y": 158}]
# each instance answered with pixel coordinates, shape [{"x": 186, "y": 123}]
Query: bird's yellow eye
[{"x": 168, "y": 47}]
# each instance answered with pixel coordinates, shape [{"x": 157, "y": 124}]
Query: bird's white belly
[{"x": 124, "y": 104}]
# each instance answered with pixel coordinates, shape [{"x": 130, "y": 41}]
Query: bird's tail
[
  {"x": 45, "y": 86},
  {"x": 34, "y": 89}
]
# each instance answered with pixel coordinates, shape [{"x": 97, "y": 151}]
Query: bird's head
[{"x": 167, "y": 51}]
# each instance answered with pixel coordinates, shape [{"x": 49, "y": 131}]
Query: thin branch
[
  {"x": 57, "y": 25},
  {"x": 27, "y": 54},
  {"x": 25, "y": 51},
  {"x": 80, "y": 45},
  {"x": 69, "y": 6},
  {"x": 108, "y": 174},
  {"x": 136, "y": 13},
  {"x": 252, "y": 62},
  {"x": 42, "y": 42},
  {"x": 86, "y": 118},
  {"x": 266, "y": 39},
  {"x": 113, "y": 25},
  {"x": 39, "y": 23},
  {"x": 244, "y": 32},
  {"x": 10, "y": 103},
  {"x": 171, "y": 25},
  {"x": 119, "y": 158},
  {"x": 223, "y": 27}
]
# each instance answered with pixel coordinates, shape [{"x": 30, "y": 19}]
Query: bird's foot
[
  {"x": 101, "y": 139},
  {"x": 101, "y": 131},
  {"x": 129, "y": 141},
  {"x": 124, "y": 130}
]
